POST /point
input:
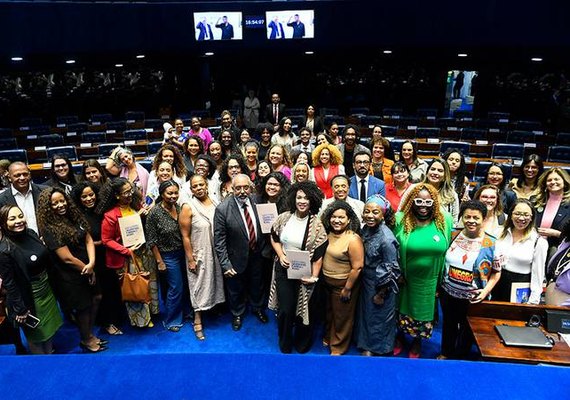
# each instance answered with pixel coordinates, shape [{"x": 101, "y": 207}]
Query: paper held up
[{"x": 299, "y": 264}]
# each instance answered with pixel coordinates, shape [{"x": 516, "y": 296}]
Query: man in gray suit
[
  {"x": 238, "y": 243},
  {"x": 22, "y": 192}
]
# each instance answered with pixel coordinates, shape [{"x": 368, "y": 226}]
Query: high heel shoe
[
  {"x": 87, "y": 349},
  {"x": 198, "y": 331}
]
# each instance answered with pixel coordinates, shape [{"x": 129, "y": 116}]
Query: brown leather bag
[{"x": 135, "y": 285}]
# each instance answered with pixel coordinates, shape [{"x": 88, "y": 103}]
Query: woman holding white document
[{"x": 296, "y": 318}]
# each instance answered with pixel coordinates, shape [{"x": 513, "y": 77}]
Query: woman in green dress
[{"x": 423, "y": 230}]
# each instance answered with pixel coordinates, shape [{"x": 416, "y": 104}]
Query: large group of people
[{"x": 379, "y": 241}]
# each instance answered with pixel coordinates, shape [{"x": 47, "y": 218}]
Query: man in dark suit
[
  {"x": 274, "y": 111},
  {"x": 226, "y": 27},
  {"x": 228, "y": 123},
  {"x": 238, "y": 243},
  {"x": 205, "y": 30},
  {"x": 349, "y": 147},
  {"x": 298, "y": 27},
  {"x": 22, "y": 192},
  {"x": 276, "y": 29},
  {"x": 363, "y": 185}
]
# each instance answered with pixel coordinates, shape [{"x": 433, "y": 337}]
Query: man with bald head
[
  {"x": 22, "y": 192},
  {"x": 238, "y": 241}
]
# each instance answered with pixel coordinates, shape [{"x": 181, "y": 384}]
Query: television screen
[
  {"x": 290, "y": 24},
  {"x": 460, "y": 92},
  {"x": 218, "y": 25}
]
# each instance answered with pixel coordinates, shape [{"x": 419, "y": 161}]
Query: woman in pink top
[
  {"x": 279, "y": 159},
  {"x": 552, "y": 203},
  {"x": 203, "y": 133}
]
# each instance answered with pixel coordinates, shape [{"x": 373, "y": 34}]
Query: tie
[
  {"x": 275, "y": 113},
  {"x": 363, "y": 190},
  {"x": 250, "y": 227}
]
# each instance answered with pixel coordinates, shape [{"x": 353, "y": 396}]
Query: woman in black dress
[{"x": 66, "y": 233}]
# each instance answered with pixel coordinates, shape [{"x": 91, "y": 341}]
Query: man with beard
[
  {"x": 238, "y": 243},
  {"x": 228, "y": 125},
  {"x": 363, "y": 185},
  {"x": 340, "y": 185},
  {"x": 349, "y": 147}
]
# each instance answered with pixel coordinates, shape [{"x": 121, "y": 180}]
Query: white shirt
[
  {"x": 524, "y": 257},
  {"x": 26, "y": 204},
  {"x": 251, "y": 214}
]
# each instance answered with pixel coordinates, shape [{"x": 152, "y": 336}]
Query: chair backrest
[
  {"x": 498, "y": 115},
  {"x": 30, "y": 121},
  {"x": 101, "y": 118},
  {"x": 473, "y": 134},
  {"x": 563, "y": 139},
  {"x": 155, "y": 124},
  {"x": 369, "y": 120},
  {"x": 389, "y": 130},
  {"x": 94, "y": 137},
  {"x": 135, "y": 134},
  {"x": 78, "y": 127},
  {"x": 8, "y": 143},
  {"x": 446, "y": 122},
  {"x": 428, "y": 133},
  {"x": 14, "y": 155},
  {"x": 480, "y": 170},
  {"x": 67, "y": 119},
  {"x": 200, "y": 113},
  {"x": 117, "y": 126},
  {"x": 559, "y": 154},
  {"x": 68, "y": 151},
  {"x": 134, "y": 116},
  {"x": 392, "y": 112},
  {"x": 426, "y": 112},
  {"x": 147, "y": 164},
  {"x": 521, "y": 137},
  {"x": 505, "y": 150},
  {"x": 359, "y": 111},
  {"x": 329, "y": 119},
  {"x": 450, "y": 144},
  {"x": 51, "y": 140},
  {"x": 396, "y": 144},
  {"x": 528, "y": 125},
  {"x": 105, "y": 149}
]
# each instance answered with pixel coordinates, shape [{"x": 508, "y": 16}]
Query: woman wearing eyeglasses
[
  {"x": 524, "y": 252},
  {"x": 423, "y": 230}
]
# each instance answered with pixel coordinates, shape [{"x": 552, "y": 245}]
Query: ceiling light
[
  {"x": 17, "y": 59},
  {"x": 70, "y": 61},
  {"x": 209, "y": 53},
  {"x": 309, "y": 53},
  {"x": 118, "y": 65},
  {"x": 462, "y": 55},
  {"x": 387, "y": 52},
  {"x": 536, "y": 59},
  {"x": 140, "y": 56}
]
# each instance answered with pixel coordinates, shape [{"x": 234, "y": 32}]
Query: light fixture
[
  {"x": 17, "y": 59},
  {"x": 309, "y": 53},
  {"x": 141, "y": 56},
  {"x": 536, "y": 59},
  {"x": 70, "y": 61},
  {"x": 387, "y": 52},
  {"x": 118, "y": 65},
  {"x": 462, "y": 55},
  {"x": 209, "y": 53}
]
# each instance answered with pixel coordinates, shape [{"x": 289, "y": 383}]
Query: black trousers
[
  {"x": 292, "y": 331},
  {"x": 246, "y": 285},
  {"x": 456, "y": 338}
]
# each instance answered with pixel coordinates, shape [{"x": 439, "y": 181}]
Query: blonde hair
[
  {"x": 446, "y": 190},
  {"x": 409, "y": 221},
  {"x": 541, "y": 191},
  {"x": 336, "y": 157}
]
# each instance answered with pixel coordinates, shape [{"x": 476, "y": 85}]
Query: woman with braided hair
[{"x": 423, "y": 230}]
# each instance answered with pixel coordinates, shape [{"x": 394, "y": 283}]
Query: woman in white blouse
[{"x": 524, "y": 254}]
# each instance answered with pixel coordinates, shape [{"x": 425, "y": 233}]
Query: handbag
[{"x": 135, "y": 286}]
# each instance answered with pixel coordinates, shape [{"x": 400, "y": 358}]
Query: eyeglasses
[
  {"x": 362, "y": 162},
  {"x": 522, "y": 215},
  {"x": 58, "y": 166},
  {"x": 495, "y": 174},
  {"x": 128, "y": 192},
  {"x": 423, "y": 202}
]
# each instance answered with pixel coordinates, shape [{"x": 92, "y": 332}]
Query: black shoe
[
  {"x": 87, "y": 349},
  {"x": 236, "y": 323},
  {"x": 261, "y": 315}
]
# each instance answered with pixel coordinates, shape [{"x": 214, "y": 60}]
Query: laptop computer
[{"x": 523, "y": 336}]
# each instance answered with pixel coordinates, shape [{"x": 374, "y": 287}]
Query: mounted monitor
[
  {"x": 218, "y": 25},
  {"x": 290, "y": 24},
  {"x": 461, "y": 89}
]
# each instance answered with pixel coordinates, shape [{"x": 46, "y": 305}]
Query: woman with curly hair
[
  {"x": 381, "y": 165},
  {"x": 109, "y": 316},
  {"x": 327, "y": 162},
  {"x": 193, "y": 147},
  {"x": 458, "y": 170},
  {"x": 232, "y": 166},
  {"x": 342, "y": 264},
  {"x": 170, "y": 154},
  {"x": 284, "y": 135},
  {"x": 278, "y": 157},
  {"x": 229, "y": 146},
  {"x": 62, "y": 175},
  {"x": 423, "y": 230},
  {"x": 264, "y": 132},
  {"x": 120, "y": 198},
  {"x": 66, "y": 233},
  {"x": 122, "y": 163},
  {"x": 293, "y": 298},
  {"x": 24, "y": 265},
  {"x": 532, "y": 168},
  {"x": 552, "y": 203},
  {"x": 93, "y": 171}
]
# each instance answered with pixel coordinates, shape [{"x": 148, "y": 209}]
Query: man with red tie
[
  {"x": 275, "y": 110},
  {"x": 238, "y": 243}
]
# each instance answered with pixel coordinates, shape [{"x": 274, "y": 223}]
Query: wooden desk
[{"x": 483, "y": 317}]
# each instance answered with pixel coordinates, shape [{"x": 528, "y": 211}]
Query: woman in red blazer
[{"x": 327, "y": 162}]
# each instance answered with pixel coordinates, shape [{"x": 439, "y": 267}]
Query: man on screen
[
  {"x": 298, "y": 27},
  {"x": 276, "y": 29},
  {"x": 205, "y": 30},
  {"x": 226, "y": 27}
]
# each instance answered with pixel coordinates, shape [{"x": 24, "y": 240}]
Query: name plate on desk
[
  {"x": 24, "y": 128},
  {"x": 40, "y": 148},
  {"x": 504, "y": 121},
  {"x": 481, "y": 142},
  {"x": 60, "y": 126},
  {"x": 539, "y": 133},
  {"x": 131, "y": 121},
  {"x": 71, "y": 134},
  {"x": 46, "y": 165},
  {"x": 412, "y": 127},
  {"x": 494, "y": 130},
  {"x": 433, "y": 140},
  {"x": 149, "y": 130},
  {"x": 452, "y": 128},
  {"x": 96, "y": 123},
  {"x": 531, "y": 145},
  {"x": 430, "y": 118},
  {"x": 370, "y": 126},
  {"x": 84, "y": 145},
  {"x": 130, "y": 142},
  {"x": 111, "y": 131},
  {"x": 31, "y": 137}
]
